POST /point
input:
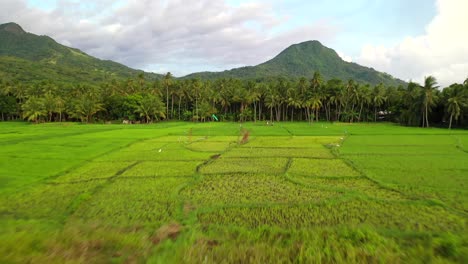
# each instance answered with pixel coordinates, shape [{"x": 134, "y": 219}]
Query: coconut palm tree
[
  {"x": 86, "y": 106},
  {"x": 167, "y": 82},
  {"x": 294, "y": 100},
  {"x": 365, "y": 98},
  {"x": 272, "y": 99},
  {"x": 378, "y": 98},
  {"x": 196, "y": 91},
  {"x": 49, "y": 104},
  {"x": 150, "y": 106},
  {"x": 33, "y": 109},
  {"x": 430, "y": 96},
  {"x": 315, "y": 105},
  {"x": 457, "y": 99}
]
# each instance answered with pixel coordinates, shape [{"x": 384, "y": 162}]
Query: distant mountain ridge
[
  {"x": 302, "y": 60},
  {"x": 28, "y": 57}
]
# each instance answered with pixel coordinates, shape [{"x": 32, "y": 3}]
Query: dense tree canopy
[{"x": 281, "y": 99}]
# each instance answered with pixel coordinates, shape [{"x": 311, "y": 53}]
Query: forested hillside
[
  {"x": 29, "y": 58},
  {"x": 301, "y": 60}
]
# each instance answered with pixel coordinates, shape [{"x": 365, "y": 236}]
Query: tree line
[{"x": 279, "y": 99}]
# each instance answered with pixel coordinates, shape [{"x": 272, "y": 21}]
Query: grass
[{"x": 194, "y": 193}]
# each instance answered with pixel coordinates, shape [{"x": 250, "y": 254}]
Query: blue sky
[
  {"x": 358, "y": 21},
  {"x": 400, "y": 37}
]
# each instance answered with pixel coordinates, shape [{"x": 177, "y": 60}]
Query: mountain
[
  {"x": 302, "y": 60},
  {"x": 28, "y": 58}
]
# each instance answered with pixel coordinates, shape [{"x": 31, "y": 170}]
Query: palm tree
[
  {"x": 59, "y": 106},
  {"x": 271, "y": 100},
  {"x": 378, "y": 98},
  {"x": 49, "y": 104},
  {"x": 430, "y": 96},
  {"x": 316, "y": 81},
  {"x": 294, "y": 100},
  {"x": 167, "y": 83},
  {"x": 180, "y": 94},
  {"x": 457, "y": 99},
  {"x": 225, "y": 95},
  {"x": 86, "y": 106},
  {"x": 196, "y": 90},
  {"x": 150, "y": 106},
  {"x": 364, "y": 98},
  {"x": 336, "y": 95},
  {"x": 33, "y": 109},
  {"x": 315, "y": 105},
  {"x": 254, "y": 95}
]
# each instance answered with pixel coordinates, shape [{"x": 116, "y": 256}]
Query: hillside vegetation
[
  {"x": 28, "y": 58},
  {"x": 302, "y": 60}
]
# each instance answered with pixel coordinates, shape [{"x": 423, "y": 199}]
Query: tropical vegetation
[{"x": 311, "y": 100}]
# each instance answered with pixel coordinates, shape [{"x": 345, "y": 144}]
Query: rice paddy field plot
[
  {"x": 401, "y": 140},
  {"x": 326, "y": 245},
  {"x": 220, "y": 190},
  {"x": 410, "y": 162},
  {"x": 399, "y": 216},
  {"x": 262, "y": 129},
  {"x": 18, "y": 172},
  {"x": 22, "y": 132},
  {"x": 145, "y": 145},
  {"x": 155, "y": 144},
  {"x": 162, "y": 169},
  {"x": 293, "y": 141},
  {"x": 219, "y": 138},
  {"x": 315, "y": 152},
  {"x": 47, "y": 152},
  {"x": 167, "y": 196},
  {"x": 436, "y": 170},
  {"x": 399, "y": 150},
  {"x": 122, "y": 134},
  {"x": 245, "y": 165},
  {"x": 210, "y": 146},
  {"x": 443, "y": 179},
  {"x": 358, "y": 185},
  {"x": 92, "y": 171},
  {"x": 130, "y": 202},
  {"x": 448, "y": 186},
  {"x": 462, "y": 142},
  {"x": 452, "y": 198},
  {"x": 315, "y": 129},
  {"x": 214, "y": 129},
  {"x": 322, "y": 168},
  {"x": 167, "y": 139},
  {"x": 49, "y": 201},
  {"x": 172, "y": 151},
  {"x": 389, "y": 129},
  {"x": 12, "y": 136}
]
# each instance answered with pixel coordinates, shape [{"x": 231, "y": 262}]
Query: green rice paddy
[{"x": 195, "y": 193}]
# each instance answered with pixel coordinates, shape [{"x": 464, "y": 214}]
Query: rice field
[{"x": 199, "y": 193}]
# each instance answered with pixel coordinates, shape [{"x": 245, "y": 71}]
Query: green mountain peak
[
  {"x": 302, "y": 60},
  {"x": 12, "y": 28},
  {"x": 28, "y": 57}
]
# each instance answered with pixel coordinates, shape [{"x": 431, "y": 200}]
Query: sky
[{"x": 409, "y": 39}]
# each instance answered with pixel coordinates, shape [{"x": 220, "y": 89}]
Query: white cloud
[
  {"x": 442, "y": 51},
  {"x": 180, "y": 35},
  {"x": 344, "y": 56}
]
